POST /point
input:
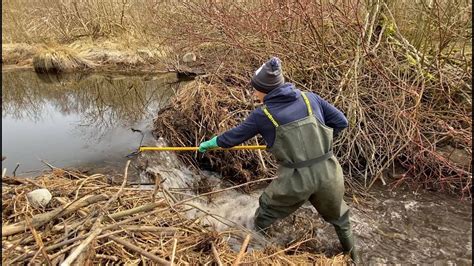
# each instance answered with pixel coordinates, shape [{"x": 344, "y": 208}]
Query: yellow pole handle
[{"x": 256, "y": 147}]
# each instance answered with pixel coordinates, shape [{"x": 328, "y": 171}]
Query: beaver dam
[
  {"x": 178, "y": 216},
  {"x": 399, "y": 226},
  {"x": 390, "y": 225},
  {"x": 91, "y": 221}
]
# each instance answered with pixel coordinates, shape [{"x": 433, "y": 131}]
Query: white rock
[
  {"x": 39, "y": 197},
  {"x": 189, "y": 57}
]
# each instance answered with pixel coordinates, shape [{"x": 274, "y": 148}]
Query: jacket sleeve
[
  {"x": 240, "y": 133},
  {"x": 333, "y": 117}
]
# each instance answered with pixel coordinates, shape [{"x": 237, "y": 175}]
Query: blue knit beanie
[{"x": 268, "y": 76}]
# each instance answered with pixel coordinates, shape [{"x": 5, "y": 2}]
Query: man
[{"x": 298, "y": 129}]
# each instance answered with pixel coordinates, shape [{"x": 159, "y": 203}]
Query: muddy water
[
  {"x": 407, "y": 227},
  {"x": 393, "y": 227},
  {"x": 76, "y": 120}
]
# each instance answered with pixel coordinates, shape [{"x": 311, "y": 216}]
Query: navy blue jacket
[{"x": 286, "y": 104}]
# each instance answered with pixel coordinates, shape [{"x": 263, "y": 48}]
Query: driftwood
[
  {"x": 17, "y": 181},
  {"x": 76, "y": 252},
  {"x": 242, "y": 251},
  {"x": 118, "y": 215},
  {"x": 216, "y": 255},
  {"x": 97, "y": 227},
  {"x": 139, "y": 250},
  {"x": 43, "y": 218}
]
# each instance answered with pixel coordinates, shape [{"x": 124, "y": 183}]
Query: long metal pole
[{"x": 255, "y": 147}]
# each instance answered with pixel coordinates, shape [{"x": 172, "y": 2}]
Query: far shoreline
[{"x": 70, "y": 58}]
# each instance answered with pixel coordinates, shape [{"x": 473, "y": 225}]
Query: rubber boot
[{"x": 346, "y": 238}]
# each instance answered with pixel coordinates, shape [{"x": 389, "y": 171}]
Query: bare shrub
[{"x": 405, "y": 88}]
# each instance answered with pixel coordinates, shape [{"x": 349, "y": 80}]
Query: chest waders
[{"x": 308, "y": 171}]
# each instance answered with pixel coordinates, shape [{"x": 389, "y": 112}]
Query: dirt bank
[{"x": 105, "y": 55}]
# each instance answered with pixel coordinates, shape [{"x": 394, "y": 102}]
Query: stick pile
[
  {"x": 91, "y": 221},
  {"x": 196, "y": 113}
]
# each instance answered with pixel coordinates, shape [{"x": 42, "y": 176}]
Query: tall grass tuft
[{"x": 58, "y": 60}]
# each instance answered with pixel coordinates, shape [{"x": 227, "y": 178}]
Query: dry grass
[
  {"x": 85, "y": 54},
  {"x": 111, "y": 233},
  {"x": 58, "y": 60},
  {"x": 115, "y": 52},
  {"x": 114, "y": 35},
  {"x": 66, "y": 21},
  {"x": 18, "y": 53}
]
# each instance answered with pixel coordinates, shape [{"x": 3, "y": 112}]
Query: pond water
[{"x": 76, "y": 120}]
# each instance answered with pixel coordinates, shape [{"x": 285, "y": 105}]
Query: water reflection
[{"x": 76, "y": 118}]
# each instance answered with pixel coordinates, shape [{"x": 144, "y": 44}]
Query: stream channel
[{"x": 83, "y": 121}]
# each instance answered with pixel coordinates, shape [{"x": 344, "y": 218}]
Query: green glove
[{"x": 206, "y": 145}]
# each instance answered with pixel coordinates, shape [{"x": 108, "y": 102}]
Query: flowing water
[
  {"x": 85, "y": 121},
  {"x": 392, "y": 226}
]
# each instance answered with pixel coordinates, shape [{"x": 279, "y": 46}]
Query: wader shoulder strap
[
  {"x": 267, "y": 113},
  {"x": 308, "y": 105},
  {"x": 309, "y": 162}
]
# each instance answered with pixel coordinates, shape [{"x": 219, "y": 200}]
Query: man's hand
[{"x": 206, "y": 145}]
